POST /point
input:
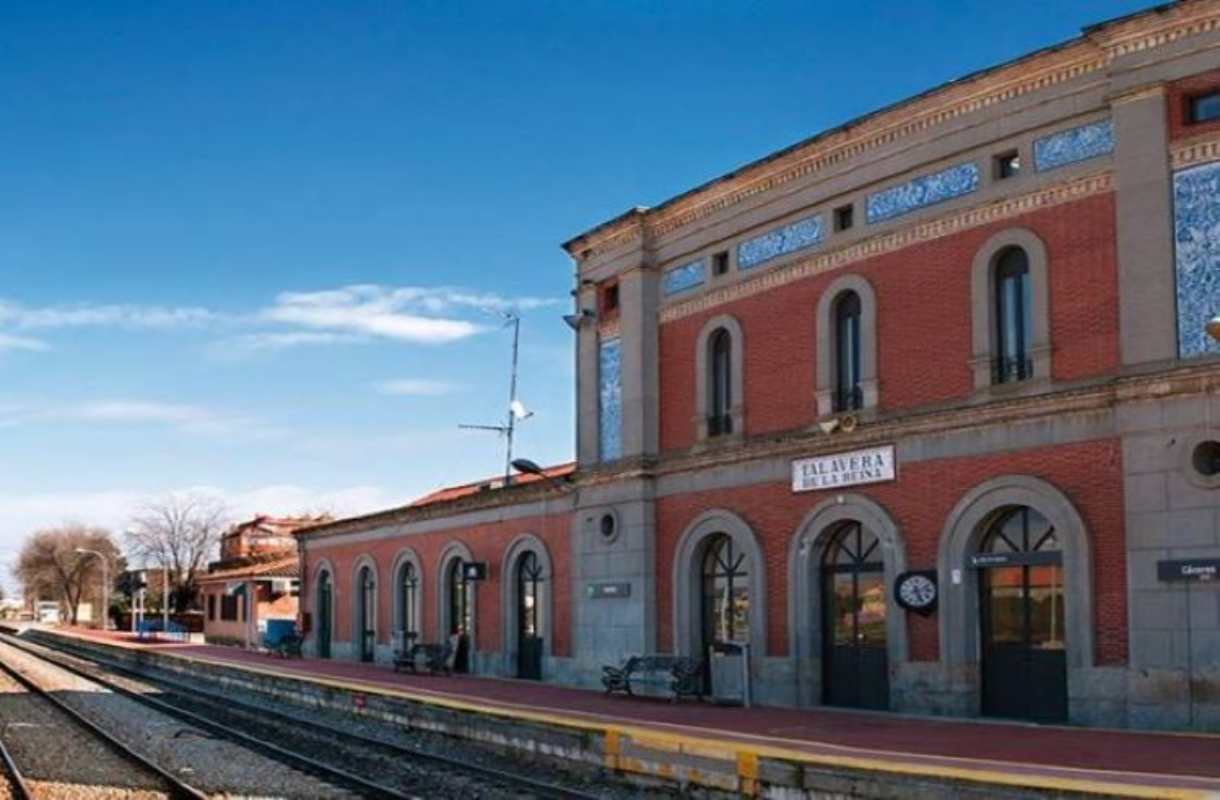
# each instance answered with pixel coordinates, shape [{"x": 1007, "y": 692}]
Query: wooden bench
[{"x": 677, "y": 675}]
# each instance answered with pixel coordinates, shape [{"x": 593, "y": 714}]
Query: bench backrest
[{"x": 661, "y": 663}]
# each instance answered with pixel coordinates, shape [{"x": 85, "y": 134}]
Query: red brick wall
[
  {"x": 1177, "y": 101},
  {"x": 486, "y": 542},
  {"x": 923, "y": 324},
  {"x": 1089, "y": 473}
]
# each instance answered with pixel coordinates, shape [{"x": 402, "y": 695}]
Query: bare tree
[
  {"x": 50, "y": 566},
  {"x": 179, "y": 533}
]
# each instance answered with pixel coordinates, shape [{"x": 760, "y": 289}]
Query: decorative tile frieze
[
  {"x": 1196, "y": 223},
  {"x": 610, "y": 399},
  {"x": 780, "y": 242},
  {"x": 1195, "y": 151},
  {"x": 923, "y": 191},
  {"x": 1073, "y": 145},
  {"x": 687, "y": 276},
  {"x": 1066, "y": 192}
]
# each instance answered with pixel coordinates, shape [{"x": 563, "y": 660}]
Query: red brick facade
[
  {"x": 923, "y": 324},
  {"x": 1177, "y": 101},
  {"x": 1089, "y": 473},
  {"x": 487, "y": 543}
]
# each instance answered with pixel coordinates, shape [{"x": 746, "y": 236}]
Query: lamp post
[
  {"x": 524, "y": 465},
  {"x": 105, "y": 585}
]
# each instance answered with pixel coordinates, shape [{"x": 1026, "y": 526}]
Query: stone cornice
[
  {"x": 1200, "y": 150},
  {"x": 1091, "y": 53},
  {"x": 896, "y": 240}
]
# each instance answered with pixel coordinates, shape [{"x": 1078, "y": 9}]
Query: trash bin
[{"x": 728, "y": 665}]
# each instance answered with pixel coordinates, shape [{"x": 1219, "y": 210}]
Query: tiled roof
[
  {"x": 276, "y": 565},
  {"x": 557, "y": 472}
]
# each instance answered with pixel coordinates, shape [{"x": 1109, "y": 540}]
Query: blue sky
[{"x": 259, "y": 248}]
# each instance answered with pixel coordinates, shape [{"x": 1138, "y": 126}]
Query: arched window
[
  {"x": 408, "y": 599},
  {"x": 848, "y": 395},
  {"x": 529, "y": 575},
  {"x": 1014, "y": 325},
  {"x": 726, "y": 592},
  {"x": 720, "y": 392},
  {"x": 460, "y": 607},
  {"x": 368, "y": 605},
  {"x": 855, "y": 667}
]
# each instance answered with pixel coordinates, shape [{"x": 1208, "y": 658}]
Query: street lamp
[
  {"x": 105, "y": 585},
  {"x": 524, "y": 465}
]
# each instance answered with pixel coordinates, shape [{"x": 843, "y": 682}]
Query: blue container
[{"x": 277, "y": 629}]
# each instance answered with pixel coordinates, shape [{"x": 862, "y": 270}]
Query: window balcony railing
[
  {"x": 719, "y": 424},
  {"x": 1011, "y": 370},
  {"x": 848, "y": 399}
]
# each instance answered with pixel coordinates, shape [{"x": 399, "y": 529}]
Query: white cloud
[
  {"x": 10, "y": 342},
  {"x": 416, "y": 387},
  {"x": 186, "y": 417},
  {"x": 271, "y": 342},
  {"x": 90, "y": 315},
  {"x": 373, "y": 311}
]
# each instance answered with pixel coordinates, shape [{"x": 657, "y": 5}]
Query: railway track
[
  {"x": 50, "y": 749},
  {"x": 376, "y": 766}
]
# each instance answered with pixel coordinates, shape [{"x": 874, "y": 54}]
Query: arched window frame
[
  {"x": 459, "y": 551},
  {"x": 734, "y": 568},
  {"x": 322, "y": 568},
  {"x": 984, "y": 322},
  {"x": 826, "y": 341},
  {"x": 526, "y": 542},
  {"x": 356, "y": 596},
  {"x": 703, "y": 378},
  {"x": 406, "y": 557}
]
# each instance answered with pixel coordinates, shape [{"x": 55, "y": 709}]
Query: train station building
[{"x": 921, "y": 413}]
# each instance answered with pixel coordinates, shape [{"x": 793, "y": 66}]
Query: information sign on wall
[{"x": 835, "y": 471}]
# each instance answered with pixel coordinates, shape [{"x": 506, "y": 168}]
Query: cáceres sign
[
  {"x": 854, "y": 467},
  {"x": 1191, "y": 569}
]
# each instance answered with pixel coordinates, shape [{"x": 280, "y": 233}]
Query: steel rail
[
  {"x": 541, "y": 788},
  {"x": 178, "y": 788},
  {"x": 21, "y": 789}
]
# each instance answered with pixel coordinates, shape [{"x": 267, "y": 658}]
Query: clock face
[{"x": 917, "y": 591}]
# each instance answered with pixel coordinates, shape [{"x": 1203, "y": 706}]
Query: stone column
[
  {"x": 586, "y": 381},
  {"x": 1144, "y": 220},
  {"x": 638, "y": 292}
]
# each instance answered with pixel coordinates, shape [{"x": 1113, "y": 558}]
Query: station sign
[
  {"x": 1190, "y": 569},
  {"x": 871, "y": 465},
  {"x": 602, "y": 591}
]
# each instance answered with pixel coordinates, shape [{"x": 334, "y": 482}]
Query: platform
[{"x": 761, "y": 743}]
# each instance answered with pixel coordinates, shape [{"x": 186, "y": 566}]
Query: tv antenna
[{"x": 516, "y": 411}]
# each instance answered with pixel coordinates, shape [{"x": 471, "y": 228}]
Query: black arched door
[
  {"x": 461, "y": 615},
  {"x": 855, "y": 665},
  {"x": 1024, "y": 669},
  {"x": 367, "y": 601},
  {"x": 323, "y": 611},
  {"x": 529, "y": 631}
]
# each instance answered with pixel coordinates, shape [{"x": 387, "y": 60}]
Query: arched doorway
[
  {"x": 529, "y": 622},
  {"x": 461, "y": 614},
  {"x": 322, "y": 609},
  {"x": 855, "y": 665},
  {"x": 366, "y": 600},
  {"x": 408, "y": 603},
  {"x": 724, "y": 612},
  {"x": 1021, "y": 618}
]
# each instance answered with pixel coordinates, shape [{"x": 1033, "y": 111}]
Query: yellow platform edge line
[{"x": 727, "y": 749}]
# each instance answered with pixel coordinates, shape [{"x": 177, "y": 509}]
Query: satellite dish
[{"x": 519, "y": 411}]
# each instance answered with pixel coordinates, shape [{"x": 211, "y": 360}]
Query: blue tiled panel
[
  {"x": 923, "y": 191},
  {"x": 610, "y": 402},
  {"x": 687, "y": 276},
  {"x": 1076, "y": 144},
  {"x": 781, "y": 241},
  {"x": 1196, "y": 228}
]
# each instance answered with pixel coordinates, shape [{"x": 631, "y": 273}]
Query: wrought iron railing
[
  {"x": 848, "y": 398},
  {"x": 719, "y": 424},
  {"x": 1011, "y": 370}
]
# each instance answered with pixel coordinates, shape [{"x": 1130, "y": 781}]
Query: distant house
[{"x": 255, "y": 580}]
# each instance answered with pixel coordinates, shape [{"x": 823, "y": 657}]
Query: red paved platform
[{"x": 1138, "y": 759}]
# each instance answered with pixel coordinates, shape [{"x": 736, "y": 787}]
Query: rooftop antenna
[{"x": 516, "y": 411}]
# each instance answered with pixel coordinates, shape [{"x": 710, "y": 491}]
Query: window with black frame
[
  {"x": 408, "y": 599},
  {"x": 1012, "y": 361},
  {"x": 720, "y": 391},
  {"x": 726, "y": 593},
  {"x": 459, "y": 599},
  {"x": 847, "y": 311}
]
